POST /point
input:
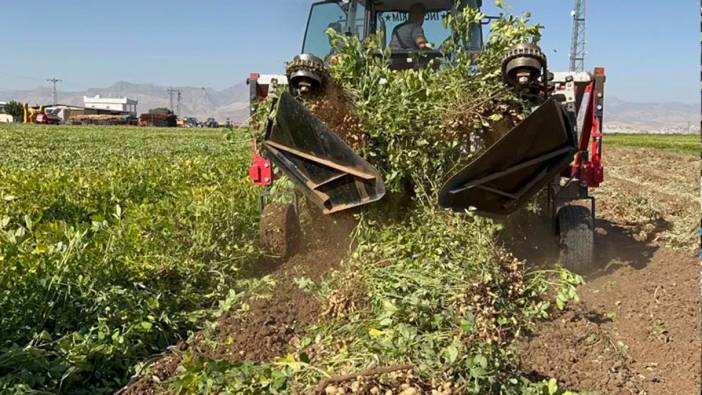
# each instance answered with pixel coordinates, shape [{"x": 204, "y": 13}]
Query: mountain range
[
  {"x": 197, "y": 102},
  {"x": 671, "y": 117},
  {"x": 232, "y": 103}
]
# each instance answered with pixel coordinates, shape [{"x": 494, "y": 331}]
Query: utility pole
[
  {"x": 54, "y": 93},
  {"x": 171, "y": 91},
  {"x": 180, "y": 100},
  {"x": 206, "y": 95},
  {"x": 578, "y": 41},
  {"x": 179, "y": 93}
]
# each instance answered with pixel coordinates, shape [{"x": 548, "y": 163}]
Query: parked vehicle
[
  {"x": 211, "y": 123},
  {"x": 43, "y": 118}
]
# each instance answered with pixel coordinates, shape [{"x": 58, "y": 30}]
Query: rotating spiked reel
[
  {"x": 306, "y": 75},
  {"x": 524, "y": 65}
]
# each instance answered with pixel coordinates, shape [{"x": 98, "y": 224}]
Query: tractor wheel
[
  {"x": 577, "y": 238},
  {"x": 279, "y": 230}
]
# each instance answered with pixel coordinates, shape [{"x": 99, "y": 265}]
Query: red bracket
[
  {"x": 588, "y": 165},
  {"x": 261, "y": 169}
]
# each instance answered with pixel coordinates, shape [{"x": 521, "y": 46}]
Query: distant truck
[
  {"x": 43, "y": 118},
  {"x": 158, "y": 119}
]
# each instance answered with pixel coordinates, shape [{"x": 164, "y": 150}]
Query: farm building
[{"x": 122, "y": 104}]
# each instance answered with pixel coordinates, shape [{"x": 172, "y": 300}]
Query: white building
[{"x": 114, "y": 104}]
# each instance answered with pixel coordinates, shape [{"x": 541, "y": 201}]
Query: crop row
[{"x": 114, "y": 244}]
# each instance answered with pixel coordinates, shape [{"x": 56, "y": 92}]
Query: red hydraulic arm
[{"x": 588, "y": 161}]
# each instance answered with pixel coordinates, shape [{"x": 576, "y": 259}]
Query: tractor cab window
[
  {"x": 359, "y": 23},
  {"x": 434, "y": 29},
  {"x": 322, "y": 17}
]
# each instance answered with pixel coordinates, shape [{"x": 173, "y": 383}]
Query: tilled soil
[
  {"x": 637, "y": 328},
  {"x": 652, "y": 195},
  {"x": 271, "y": 324}
]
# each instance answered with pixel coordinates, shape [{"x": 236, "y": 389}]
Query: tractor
[{"x": 557, "y": 148}]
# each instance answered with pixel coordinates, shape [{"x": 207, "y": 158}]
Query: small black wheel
[
  {"x": 577, "y": 239},
  {"x": 279, "y": 230}
]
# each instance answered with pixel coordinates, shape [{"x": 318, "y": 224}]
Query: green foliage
[
  {"x": 686, "y": 143},
  {"x": 422, "y": 123},
  {"x": 114, "y": 244},
  {"x": 443, "y": 297},
  {"x": 15, "y": 109}
]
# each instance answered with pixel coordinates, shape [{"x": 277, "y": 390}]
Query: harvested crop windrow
[{"x": 428, "y": 301}]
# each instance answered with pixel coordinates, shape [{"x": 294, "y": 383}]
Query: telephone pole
[
  {"x": 54, "y": 93},
  {"x": 578, "y": 41},
  {"x": 179, "y": 94},
  {"x": 180, "y": 100}
]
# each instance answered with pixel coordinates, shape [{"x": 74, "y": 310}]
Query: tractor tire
[
  {"x": 279, "y": 230},
  {"x": 577, "y": 239}
]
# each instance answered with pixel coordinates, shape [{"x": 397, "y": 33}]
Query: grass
[
  {"x": 684, "y": 143},
  {"x": 114, "y": 244}
]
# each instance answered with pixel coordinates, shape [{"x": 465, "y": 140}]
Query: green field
[
  {"x": 688, "y": 143},
  {"x": 115, "y": 243}
]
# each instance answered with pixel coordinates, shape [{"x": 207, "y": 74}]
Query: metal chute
[
  {"x": 322, "y": 165},
  {"x": 516, "y": 167}
]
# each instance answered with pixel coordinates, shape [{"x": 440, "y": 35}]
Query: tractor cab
[{"x": 362, "y": 18}]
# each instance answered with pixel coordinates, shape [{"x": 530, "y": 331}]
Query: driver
[{"x": 410, "y": 35}]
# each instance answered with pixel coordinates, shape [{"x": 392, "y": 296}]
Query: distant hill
[
  {"x": 202, "y": 103},
  {"x": 620, "y": 115},
  {"x": 673, "y": 117}
]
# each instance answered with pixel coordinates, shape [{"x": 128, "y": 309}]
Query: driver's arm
[{"x": 419, "y": 38}]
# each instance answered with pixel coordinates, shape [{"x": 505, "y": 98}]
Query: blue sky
[{"x": 650, "y": 48}]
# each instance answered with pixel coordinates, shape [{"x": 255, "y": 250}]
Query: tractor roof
[{"x": 431, "y": 5}]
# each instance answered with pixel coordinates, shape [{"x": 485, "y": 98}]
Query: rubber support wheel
[
  {"x": 577, "y": 239},
  {"x": 279, "y": 230}
]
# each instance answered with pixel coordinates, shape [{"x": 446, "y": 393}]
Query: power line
[
  {"x": 54, "y": 93},
  {"x": 579, "y": 38}
]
